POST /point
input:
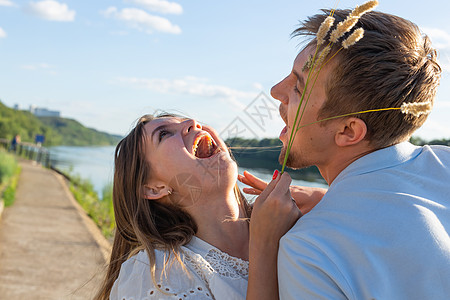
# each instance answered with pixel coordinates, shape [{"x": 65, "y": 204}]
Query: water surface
[{"x": 97, "y": 165}]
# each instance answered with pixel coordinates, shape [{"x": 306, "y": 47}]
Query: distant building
[{"x": 43, "y": 112}]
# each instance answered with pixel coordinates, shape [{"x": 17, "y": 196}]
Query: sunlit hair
[
  {"x": 141, "y": 223},
  {"x": 392, "y": 64}
]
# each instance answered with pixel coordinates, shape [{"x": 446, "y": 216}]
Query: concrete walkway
[{"x": 49, "y": 248}]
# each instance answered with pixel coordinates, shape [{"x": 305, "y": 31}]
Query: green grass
[
  {"x": 9, "y": 195},
  {"x": 8, "y": 165},
  {"x": 99, "y": 210},
  {"x": 9, "y": 176}
]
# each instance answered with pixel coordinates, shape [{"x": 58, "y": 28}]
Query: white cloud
[
  {"x": 191, "y": 86},
  {"x": 258, "y": 86},
  {"x": 433, "y": 130},
  {"x": 188, "y": 85},
  {"x": 444, "y": 62},
  {"x": 36, "y": 66},
  {"x": 40, "y": 66},
  {"x": 2, "y": 33},
  {"x": 6, "y": 3},
  {"x": 119, "y": 32},
  {"x": 441, "y": 41},
  {"x": 141, "y": 20},
  {"x": 160, "y": 6},
  {"x": 442, "y": 105},
  {"x": 440, "y": 38},
  {"x": 51, "y": 10}
]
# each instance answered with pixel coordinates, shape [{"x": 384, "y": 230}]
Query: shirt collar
[
  {"x": 199, "y": 246},
  {"x": 380, "y": 159}
]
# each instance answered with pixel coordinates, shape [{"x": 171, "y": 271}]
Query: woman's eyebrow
[{"x": 158, "y": 129}]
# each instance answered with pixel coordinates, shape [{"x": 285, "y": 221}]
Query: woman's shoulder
[
  {"x": 217, "y": 261},
  {"x": 173, "y": 279}
]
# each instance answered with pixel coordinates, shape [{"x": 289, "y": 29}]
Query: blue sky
[{"x": 107, "y": 62}]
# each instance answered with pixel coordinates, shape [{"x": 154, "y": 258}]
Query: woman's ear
[
  {"x": 156, "y": 191},
  {"x": 351, "y": 132}
]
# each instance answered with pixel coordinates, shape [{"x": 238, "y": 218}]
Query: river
[{"x": 97, "y": 164}]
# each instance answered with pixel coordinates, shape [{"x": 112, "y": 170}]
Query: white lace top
[{"x": 210, "y": 274}]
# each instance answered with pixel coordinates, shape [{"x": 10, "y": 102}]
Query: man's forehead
[
  {"x": 306, "y": 54},
  {"x": 302, "y": 58}
]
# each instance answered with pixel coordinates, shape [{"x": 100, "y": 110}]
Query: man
[
  {"x": 14, "y": 142},
  {"x": 382, "y": 229}
]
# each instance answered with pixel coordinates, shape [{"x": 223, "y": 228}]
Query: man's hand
[{"x": 305, "y": 197}]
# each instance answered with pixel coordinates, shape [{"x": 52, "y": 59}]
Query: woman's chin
[{"x": 221, "y": 171}]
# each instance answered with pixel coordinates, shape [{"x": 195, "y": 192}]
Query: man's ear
[
  {"x": 155, "y": 191},
  {"x": 351, "y": 132}
]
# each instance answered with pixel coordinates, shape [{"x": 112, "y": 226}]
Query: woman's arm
[{"x": 274, "y": 213}]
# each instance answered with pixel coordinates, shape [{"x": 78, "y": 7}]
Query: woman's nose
[{"x": 190, "y": 125}]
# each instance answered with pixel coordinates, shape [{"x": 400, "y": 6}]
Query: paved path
[{"x": 49, "y": 249}]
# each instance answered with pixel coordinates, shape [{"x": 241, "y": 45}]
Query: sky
[{"x": 107, "y": 62}]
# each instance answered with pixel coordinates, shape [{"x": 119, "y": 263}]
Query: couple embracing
[{"x": 356, "y": 93}]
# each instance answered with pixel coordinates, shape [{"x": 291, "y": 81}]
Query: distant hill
[
  {"x": 75, "y": 134},
  {"x": 420, "y": 142},
  {"x": 57, "y": 131}
]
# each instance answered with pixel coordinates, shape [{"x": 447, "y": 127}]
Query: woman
[{"x": 182, "y": 224}]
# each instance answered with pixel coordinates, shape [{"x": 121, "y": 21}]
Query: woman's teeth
[{"x": 203, "y": 147}]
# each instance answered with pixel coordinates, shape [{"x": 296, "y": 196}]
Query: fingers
[
  {"x": 274, "y": 212},
  {"x": 281, "y": 195},
  {"x": 307, "y": 198},
  {"x": 251, "y": 191},
  {"x": 257, "y": 182},
  {"x": 283, "y": 184},
  {"x": 253, "y": 181},
  {"x": 268, "y": 190},
  {"x": 244, "y": 180}
]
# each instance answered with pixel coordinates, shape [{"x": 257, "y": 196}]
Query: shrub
[
  {"x": 99, "y": 210},
  {"x": 8, "y": 165},
  {"x": 9, "y": 175}
]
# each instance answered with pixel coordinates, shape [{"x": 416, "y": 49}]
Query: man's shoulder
[
  {"x": 440, "y": 149},
  {"x": 433, "y": 161}
]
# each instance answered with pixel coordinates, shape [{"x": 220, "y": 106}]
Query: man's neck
[{"x": 341, "y": 160}]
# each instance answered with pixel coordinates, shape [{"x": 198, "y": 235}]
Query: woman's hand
[
  {"x": 274, "y": 213},
  {"x": 257, "y": 185},
  {"x": 305, "y": 197}
]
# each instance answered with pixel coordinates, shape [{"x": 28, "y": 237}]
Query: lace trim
[
  {"x": 201, "y": 267},
  {"x": 227, "y": 265},
  {"x": 196, "y": 261}
]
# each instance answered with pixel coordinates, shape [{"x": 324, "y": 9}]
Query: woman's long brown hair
[{"x": 140, "y": 223}]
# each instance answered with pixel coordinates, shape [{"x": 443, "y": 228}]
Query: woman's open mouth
[{"x": 204, "y": 146}]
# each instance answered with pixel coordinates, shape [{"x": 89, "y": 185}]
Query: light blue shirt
[{"x": 380, "y": 232}]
